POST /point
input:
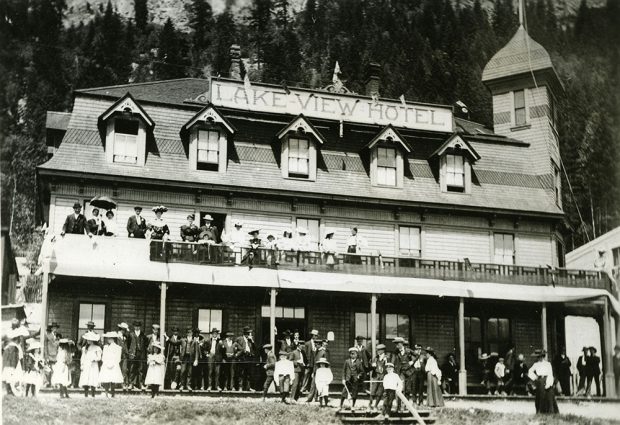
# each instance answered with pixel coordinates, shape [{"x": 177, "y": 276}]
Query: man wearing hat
[
  {"x": 401, "y": 358},
  {"x": 416, "y": 374},
  {"x": 153, "y": 337},
  {"x": 75, "y": 223},
  {"x": 173, "y": 359},
  {"x": 208, "y": 232},
  {"x": 189, "y": 231},
  {"x": 593, "y": 372},
  {"x": 236, "y": 240},
  {"x": 297, "y": 357},
  {"x": 189, "y": 354},
  {"x": 352, "y": 377},
  {"x": 364, "y": 355},
  {"x": 90, "y": 327},
  {"x": 50, "y": 349},
  {"x": 213, "y": 350},
  {"x": 246, "y": 355},
  {"x": 137, "y": 351},
  {"x": 286, "y": 344},
  {"x": 310, "y": 349},
  {"x": 96, "y": 225},
  {"x": 269, "y": 366},
  {"x": 229, "y": 348},
  {"x": 581, "y": 369},
  {"x": 123, "y": 341},
  {"x": 136, "y": 224},
  {"x": 378, "y": 371}
]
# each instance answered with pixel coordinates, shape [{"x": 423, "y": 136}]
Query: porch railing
[{"x": 221, "y": 255}]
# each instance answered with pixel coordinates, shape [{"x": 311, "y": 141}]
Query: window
[
  {"x": 615, "y": 252},
  {"x": 209, "y": 319},
  {"x": 504, "y": 251},
  {"x": 553, "y": 112},
  {"x": 519, "y": 99},
  {"x": 208, "y": 149},
  {"x": 473, "y": 333},
  {"x": 91, "y": 312},
  {"x": 126, "y": 141},
  {"x": 396, "y": 325},
  {"x": 284, "y": 312},
  {"x": 313, "y": 229},
  {"x": 410, "y": 241},
  {"x": 363, "y": 325},
  {"x": 386, "y": 166},
  {"x": 557, "y": 183},
  {"x": 298, "y": 157},
  {"x": 498, "y": 335},
  {"x": 455, "y": 173}
]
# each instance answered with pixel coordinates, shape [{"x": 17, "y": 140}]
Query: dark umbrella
[{"x": 103, "y": 202}]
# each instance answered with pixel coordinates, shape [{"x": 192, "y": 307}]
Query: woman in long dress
[
  {"x": 155, "y": 374},
  {"x": 433, "y": 380},
  {"x": 91, "y": 356},
  {"x": 158, "y": 227},
  {"x": 110, "y": 224},
  {"x": 328, "y": 246},
  {"x": 12, "y": 356},
  {"x": 111, "y": 374},
  {"x": 541, "y": 373},
  {"x": 61, "y": 374}
]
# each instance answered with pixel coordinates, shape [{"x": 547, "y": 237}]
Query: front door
[{"x": 287, "y": 318}]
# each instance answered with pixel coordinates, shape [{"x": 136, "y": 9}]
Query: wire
[{"x": 529, "y": 60}]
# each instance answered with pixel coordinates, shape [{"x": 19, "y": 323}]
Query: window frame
[
  {"x": 118, "y": 135},
  {"x": 455, "y": 187},
  {"x": 503, "y": 255},
  {"x": 390, "y": 337},
  {"x": 400, "y": 238},
  {"x": 384, "y": 167},
  {"x": 520, "y": 110},
  {"x": 210, "y": 326},
  {"x": 307, "y": 226},
  {"x": 80, "y": 321},
  {"x": 557, "y": 185},
  {"x": 296, "y": 174},
  {"x": 210, "y": 164}
]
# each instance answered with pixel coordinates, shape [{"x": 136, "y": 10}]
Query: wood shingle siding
[{"x": 445, "y": 244}]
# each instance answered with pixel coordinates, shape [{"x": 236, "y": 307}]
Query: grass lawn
[{"x": 187, "y": 411}]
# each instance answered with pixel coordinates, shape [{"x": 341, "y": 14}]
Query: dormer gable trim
[
  {"x": 209, "y": 115},
  {"x": 391, "y": 135},
  {"x": 127, "y": 105},
  {"x": 456, "y": 144},
  {"x": 302, "y": 127}
]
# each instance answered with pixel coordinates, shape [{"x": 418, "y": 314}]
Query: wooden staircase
[{"x": 367, "y": 417}]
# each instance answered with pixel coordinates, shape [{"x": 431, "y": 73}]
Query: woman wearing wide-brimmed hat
[
  {"x": 328, "y": 246},
  {"x": 541, "y": 373},
  {"x": 11, "y": 361},
  {"x": 434, "y": 397},
  {"x": 158, "y": 227},
  {"x": 111, "y": 374},
  {"x": 89, "y": 364},
  {"x": 155, "y": 374},
  {"x": 61, "y": 374},
  {"x": 33, "y": 367}
]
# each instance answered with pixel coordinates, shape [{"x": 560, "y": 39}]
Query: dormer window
[
  {"x": 207, "y": 137},
  {"x": 300, "y": 140},
  {"x": 387, "y": 157},
  {"x": 126, "y": 126},
  {"x": 456, "y": 157}
]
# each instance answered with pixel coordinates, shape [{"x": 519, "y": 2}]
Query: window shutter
[
  {"x": 223, "y": 141},
  {"x": 193, "y": 149},
  {"x": 443, "y": 165},
  {"x": 373, "y": 167},
  {"x": 141, "y": 145},
  {"x": 284, "y": 158},
  {"x": 312, "y": 154},
  {"x": 400, "y": 168},
  {"x": 109, "y": 145}
]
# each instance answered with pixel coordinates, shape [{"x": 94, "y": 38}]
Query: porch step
[{"x": 366, "y": 417}]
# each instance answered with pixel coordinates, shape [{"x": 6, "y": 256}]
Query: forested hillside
[{"x": 429, "y": 50}]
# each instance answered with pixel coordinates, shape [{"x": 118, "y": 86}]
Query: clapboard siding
[
  {"x": 446, "y": 244},
  {"x": 534, "y": 250},
  {"x": 267, "y": 224},
  {"x": 379, "y": 238}
]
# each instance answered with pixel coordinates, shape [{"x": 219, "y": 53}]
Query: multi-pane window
[
  {"x": 519, "y": 102},
  {"x": 284, "y": 312},
  {"x": 91, "y": 312},
  {"x": 298, "y": 157},
  {"x": 397, "y": 325},
  {"x": 313, "y": 229},
  {"x": 504, "y": 248},
  {"x": 209, "y": 147},
  {"x": 409, "y": 238},
  {"x": 498, "y": 335},
  {"x": 209, "y": 319},
  {"x": 455, "y": 173},
  {"x": 386, "y": 166},
  {"x": 363, "y": 325},
  {"x": 126, "y": 141}
]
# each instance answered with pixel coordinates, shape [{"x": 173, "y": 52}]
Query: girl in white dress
[
  {"x": 61, "y": 374},
  {"x": 111, "y": 374},
  {"x": 33, "y": 365},
  {"x": 323, "y": 378},
  {"x": 91, "y": 356},
  {"x": 155, "y": 374}
]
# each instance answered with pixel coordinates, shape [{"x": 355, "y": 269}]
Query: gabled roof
[
  {"x": 209, "y": 114},
  {"x": 390, "y": 134},
  {"x": 301, "y": 125},
  {"x": 457, "y": 143},
  {"x": 125, "y": 104}
]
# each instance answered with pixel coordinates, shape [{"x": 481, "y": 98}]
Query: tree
[
  {"x": 141, "y": 14},
  {"x": 171, "y": 63},
  {"x": 261, "y": 27},
  {"x": 225, "y": 35}
]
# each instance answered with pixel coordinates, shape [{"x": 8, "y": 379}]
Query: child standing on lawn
[
  {"x": 33, "y": 363},
  {"x": 391, "y": 384},
  {"x": 351, "y": 377},
  {"x": 91, "y": 356},
  {"x": 284, "y": 372},
  {"x": 111, "y": 374},
  {"x": 155, "y": 375},
  {"x": 61, "y": 374},
  {"x": 322, "y": 378}
]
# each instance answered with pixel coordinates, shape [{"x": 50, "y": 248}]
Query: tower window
[{"x": 519, "y": 101}]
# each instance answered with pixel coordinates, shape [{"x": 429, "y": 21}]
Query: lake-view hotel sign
[{"x": 233, "y": 94}]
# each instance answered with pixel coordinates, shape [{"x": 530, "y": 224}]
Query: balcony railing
[{"x": 220, "y": 255}]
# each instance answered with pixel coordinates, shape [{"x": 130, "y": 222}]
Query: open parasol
[{"x": 103, "y": 202}]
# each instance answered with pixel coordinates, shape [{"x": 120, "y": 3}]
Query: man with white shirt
[
  {"x": 136, "y": 224},
  {"x": 75, "y": 223},
  {"x": 229, "y": 348},
  {"x": 310, "y": 348},
  {"x": 213, "y": 349}
]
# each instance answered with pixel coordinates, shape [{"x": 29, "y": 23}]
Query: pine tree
[
  {"x": 225, "y": 35},
  {"x": 170, "y": 62},
  {"x": 141, "y": 14},
  {"x": 261, "y": 27}
]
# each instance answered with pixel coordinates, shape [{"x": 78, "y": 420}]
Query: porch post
[
  {"x": 543, "y": 323},
  {"x": 462, "y": 370},
  {"x": 373, "y": 324},
  {"x": 272, "y": 319},
  {"x": 44, "y": 285},
  {"x": 162, "y": 313},
  {"x": 608, "y": 352}
]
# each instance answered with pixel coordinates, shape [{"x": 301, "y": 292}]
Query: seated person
[{"x": 208, "y": 233}]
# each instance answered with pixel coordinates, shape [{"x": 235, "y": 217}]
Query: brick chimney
[
  {"x": 235, "y": 62},
  {"x": 373, "y": 79}
]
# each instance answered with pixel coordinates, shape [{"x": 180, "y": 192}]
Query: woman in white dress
[
  {"x": 155, "y": 374},
  {"x": 61, "y": 374},
  {"x": 111, "y": 374},
  {"x": 110, "y": 224},
  {"x": 541, "y": 373},
  {"x": 328, "y": 246},
  {"x": 89, "y": 365}
]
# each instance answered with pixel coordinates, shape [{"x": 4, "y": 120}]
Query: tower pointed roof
[{"x": 521, "y": 55}]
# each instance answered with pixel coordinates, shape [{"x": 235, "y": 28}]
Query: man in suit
[
  {"x": 352, "y": 377},
  {"x": 364, "y": 356},
  {"x": 310, "y": 348},
  {"x": 123, "y": 342},
  {"x": 378, "y": 367},
  {"x": 593, "y": 372},
  {"x": 246, "y": 355},
  {"x": 270, "y": 364},
  {"x": 287, "y": 342},
  {"x": 96, "y": 226},
  {"x": 229, "y": 348},
  {"x": 209, "y": 235},
  {"x": 138, "y": 345},
  {"x": 189, "y": 354},
  {"x": 136, "y": 225},
  {"x": 581, "y": 369},
  {"x": 416, "y": 374},
  {"x": 213, "y": 350},
  {"x": 51, "y": 348},
  {"x": 76, "y": 223},
  {"x": 297, "y": 357},
  {"x": 173, "y": 357},
  {"x": 401, "y": 358}
]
